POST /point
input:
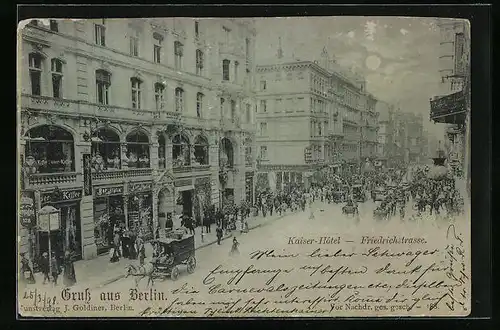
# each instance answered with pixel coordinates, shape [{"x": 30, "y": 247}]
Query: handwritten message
[{"x": 328, "y": 276}]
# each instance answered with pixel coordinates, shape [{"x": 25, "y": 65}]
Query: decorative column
[
  {"x": 125, "y": 207},
  {"x": 168, "y": 154},
  {"x": 239, "y": 174},
  {"x": 153, "y": 154},
  {"x": 124, "y": 158},
  {"x": 155, "y": 191}
]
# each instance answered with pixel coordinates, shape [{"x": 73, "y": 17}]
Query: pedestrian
[
  {"x": 219, "y": 234},
  {"x": 207, "y": 222},
  {"x": 234, "y": 247},
  {"x": 69, "y": 276},
  {"x": 141, "y": 250},
  {"x": 55, "y": 271},
  {"x": 45, "y": 267},
  {"x": 26, "y": 271}
]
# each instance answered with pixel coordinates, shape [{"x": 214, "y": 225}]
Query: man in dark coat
[
  {"x": 219, "y": 234},
  {"x": 54, "y": 268},
  {"x": 207, "y": 222},
  {"x": 45, "y": 266}
]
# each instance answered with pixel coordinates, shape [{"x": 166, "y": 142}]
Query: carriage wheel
[
  {"x": 175, "y": 273},
  {"x": 191, "y": 264}
]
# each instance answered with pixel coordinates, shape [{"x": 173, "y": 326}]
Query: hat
[{"x": 45, "y": 254}]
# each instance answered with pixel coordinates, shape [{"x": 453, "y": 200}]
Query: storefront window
[
  {"x": 181, "y": 151},
  {"x": 138, "y": 150},
  {"x": 201, "y": 150},
  {"x": 161, "y": 152},
  {"x": 108, "y": 215},
  {"x": 52, "y": 149},
  {"x": 105, "y": 150}
]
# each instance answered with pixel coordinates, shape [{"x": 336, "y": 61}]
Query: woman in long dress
[
  {"x": 69, "y": 276},
  {"x": 234, "y": 247}
]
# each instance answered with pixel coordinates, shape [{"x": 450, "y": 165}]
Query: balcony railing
[
  {"x": 190, "y": 169},
  {"x": 121, "y": 174},
  {"x": 78, "y": 107},
  {"x": 52, "y": 178}
]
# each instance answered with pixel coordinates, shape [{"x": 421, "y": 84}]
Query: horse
[
  {"x": 350, "y": 210},
  {"x": 140, "y": 272}
]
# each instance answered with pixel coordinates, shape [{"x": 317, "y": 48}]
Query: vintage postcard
[{"x": 246, "y": 167}]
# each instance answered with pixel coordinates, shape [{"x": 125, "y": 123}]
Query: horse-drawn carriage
[
  {"x": 169, "y": 253},
  {"x": 358, "y": 193},
  {"x": 350, "y": 209},
  {"x": 380, "y": 213}
]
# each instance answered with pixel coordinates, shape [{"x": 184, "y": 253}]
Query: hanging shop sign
[
  {"x": 139, "y": 187},
  {"x": 87, "y": 174},
  {"x": 27, "y": 212},
  {"x": 60, "y": 196},
  {"x": 108, "y": 191},
  {"x": 48, "y": 219}
]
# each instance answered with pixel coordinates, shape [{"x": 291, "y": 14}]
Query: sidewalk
[{"x": 99, "y": 272}]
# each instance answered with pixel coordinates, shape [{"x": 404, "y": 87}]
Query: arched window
[
  {"x": 179, "y": 99},
  {"x": 226, "y": 155},
  {"x": 35, "y": 69},
  {"x": 138, "y": 150},
  {"x": 181, "y": 151},
  {"x": 201, "y": 150},
  {"x": 103, "y": 83},
  {"x": 159, "y": 96},
  {"x": 179, "y": 53},
  {"x": 161, "y": 152},
  {"x": 50, "y": 149},
  {"x": 225, "y": 70},
  {"x": 57, "y": 77},
  {"x": 106, "y": 154},
  {"x": 233, "y": 110}
]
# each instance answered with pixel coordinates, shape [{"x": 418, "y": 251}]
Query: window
[
  {"x": 289, "y": 76},
  {"x": 320, "y": 133},
  {"x": 134, "y": 43},
  {"x": 263, "y": 129},
  {"x": 136, "y": 93},
  {"x": 247, "y": 53},
  {"x": 248, "y": 113},
  {"x": 233, "y": 110},
  {"x": 54, "y": 26},
  {"x": 196, "y": 29},
  {"x": 179, "y": 53},
  {"x": 179, "y": 99},
  {"x": 263, "y": 85},
  {"x": 157, "y": 38},
  {"x": 263, "y": 106},
  {"x": 35, "y": 68},
  {"x": 103, "y": 82},
  {"x": 199, "y": 104},
  {"x": 199, "y": 62},
  {"x": 236, "y": 68},
  {"x": 263, "y": 152},
  {"x": 57, "y": 74},
  {"x": 225, "y": 70},
  {"x": 159, "y": 96},
  {"x": 222, "y": 101},
  {"x": 100, "y": 34}
]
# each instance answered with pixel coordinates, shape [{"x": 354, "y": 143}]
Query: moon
[{"x": 373, "y": 62}]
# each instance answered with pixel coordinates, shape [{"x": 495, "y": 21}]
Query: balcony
[
  {"x": 449, "y": 109},
  {"x": 63, "y": 179},
  {"x": 118, "y": 176},
  {"x": 83, "y": 108}
]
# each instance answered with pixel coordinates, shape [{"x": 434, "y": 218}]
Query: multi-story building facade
[
  {"x": 452, "y": 106},
  {"x": 130, "y": 122},
  {"x": 308, "y": 116},
  {"x": 369, "y": 129},
  {"x": 407, "y": 132},
  {"x": 385, "y": 131}
]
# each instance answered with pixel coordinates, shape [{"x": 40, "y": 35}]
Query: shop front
[
  {"x": 184, "y": 196},
  {"x": 108, "y": 214},
  {"x": 202, "y": 198},
  {"x": 140, "y": 209},
  {"x": 65, "y": 232}
]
